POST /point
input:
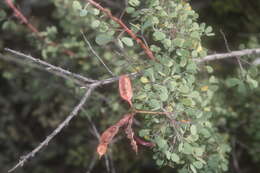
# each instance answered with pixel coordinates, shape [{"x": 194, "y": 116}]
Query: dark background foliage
[{"x": 33, "y": 103}]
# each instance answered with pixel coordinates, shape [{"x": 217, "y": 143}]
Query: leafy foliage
[{"x": 197, "y": 99}]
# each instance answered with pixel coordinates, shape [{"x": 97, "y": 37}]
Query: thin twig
[
  {"x": 97, "y": 135},
  {"x": 234, "y": 157},
  {"x": 56, "y": 131},
  {"x": 92, "y": 164},
  {"x": 232, "y": 54},
  {"x": 114, "y": 79},
  {"x": 95, "y": 53},
  {"x": 229, "y": 50},
  {"x": 146, "y": 49},
  {"x": 81, "y": 80}
]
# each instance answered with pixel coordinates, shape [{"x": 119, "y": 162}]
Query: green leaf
[
  {"x": 193, "y": 168},
  {"x": 208, "y": 30},
  {"x": 144, "y": 132},
  {"x": 128, "y": 41},
  {"x": 94, "y": 11},
  {"x": 175, "y": 158},
  {"x": 231, "y": 82},
  {"x": 83, "y": 13},
  {"x": 198, "y": 164},
  {"x": 103, "y": 39},
  {"x": 187, "y": 102},
  {"x": 162, "y": 143},
  {"x": 205, "y": 132},
  {"x": 194, "y": 53},
  {"x": 187, "y": 148},
  {"x": 252, "y": 83},
  {"x": 195, "y": 34},
  {"x": 130, "y": 10},
  {"x": 155, "y": 48},
  {"x": 178, "y": 42},
  {"x": 209, "y": 69},
  {"x": 180, "y": 147},
  {"x": 191, "y": 67},
  {"x": 150, "y": 73},
  {"x": 198, "y": 151},
  {"x": 241, "y": 88},
  {"x": 155, "y": 104},
  {"x": 2, "y": 15},
  {"x": 213, "y": 79},
  {"x": 184, "y": 89},
  {"x": 159, "y": 162},
  {"x": 134, "y": 2},
  {"x": 193, "y": 129},
  {"x": 167, "y": 43},
  {"x": 95, "y": 23},
  {"x": 253, "y": 71},
  {"x": 76, "y": 5},
  {"x": 163, "y": 92},
  {"x": 159, "y": 35},
  {"x": 183, "y": 61}
]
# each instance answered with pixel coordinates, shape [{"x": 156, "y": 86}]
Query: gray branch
[
  {"x": 56, "y": 131},
  {"x": 81, "y": 80},
  {"x": 229, "y": 55}
]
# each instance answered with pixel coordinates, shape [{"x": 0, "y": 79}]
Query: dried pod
[
  {"x": 106, "y": 138},
  {"x": 143, "y": 143},
  {"x": 102, "y": 149},
  {"x": 125, "y": 88},
  {"x": 108, "y": 135},
  {"x": 130, "y": 134}
]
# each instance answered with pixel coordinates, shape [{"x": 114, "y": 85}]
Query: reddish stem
[
  {"x": 20, "y": 16},
  {"x": 24, "y": 20},
  {"x": 126, "y": 29}
]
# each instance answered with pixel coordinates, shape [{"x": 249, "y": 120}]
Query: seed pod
[
  {"x": 130, "y": 134},
  {"x": 143, "y": 143},
  {"x": 125, "y": 89},
  {"x": 108, "y": 135},
  {"x": 106, "y": 138}
]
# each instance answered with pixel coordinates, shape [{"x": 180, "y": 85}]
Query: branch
[
  {"x": 95, "y": 53},
  {"x": 114, "y": 79},
  {"x": 20, "y": 16},
  {"x": 56, "y": 131},
  {"x": 126, "y": 29},
  {"x": 24, "y": 20},
  {"x": 229, "y": 55},
  {"x": 81, "y": 80}
]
